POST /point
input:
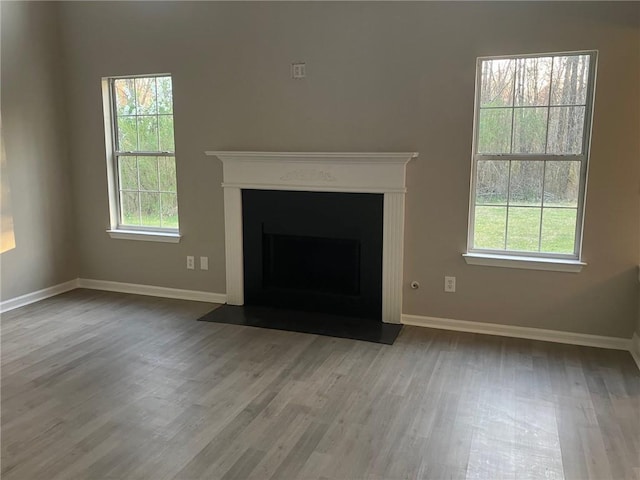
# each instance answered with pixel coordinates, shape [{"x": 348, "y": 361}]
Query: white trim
[
  {"x": 144, "y": 236},
  {"x": 266, "y": 186},
  {"x": 524, "y": 262},
  {"x": 33, "y": 297},
  {"x": 571, "y": 338},
  {"x": 152, "y": 290},
  {"x": 634, "y": 349},
  {"x": 306, "y": 157},
  {"x": 315, "y": 171},
  {"x": 392, "y": 257},
  {"x": 109, "y": 146},
  {"x": 557, "y": 336},
  {"x": 234, "y": 249}
]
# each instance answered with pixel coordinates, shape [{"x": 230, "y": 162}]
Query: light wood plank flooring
[{"x": 104, "y": 385}]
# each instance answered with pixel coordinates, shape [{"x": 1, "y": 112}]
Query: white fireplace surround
[{"x": 318, "y": 172}]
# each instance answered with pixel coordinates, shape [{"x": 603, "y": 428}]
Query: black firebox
[{"x": 314, "y": 251}]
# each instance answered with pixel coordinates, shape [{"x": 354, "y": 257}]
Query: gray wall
[
  {"x": 381, "y": 77},
  {"x": 38, "y": 167}
]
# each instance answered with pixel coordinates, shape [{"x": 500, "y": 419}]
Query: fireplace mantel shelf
[
  {"x": 316, "y": 171},
  {"x": 322, "y": 172},
  {"x": 310, "y": 157}
]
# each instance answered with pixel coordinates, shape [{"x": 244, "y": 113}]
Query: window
[
  {"x": 531, "y": 144},
  {"x": 143, "y": 166}
]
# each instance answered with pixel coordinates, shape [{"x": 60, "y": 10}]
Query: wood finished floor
[{"x": 104, "y": 385}]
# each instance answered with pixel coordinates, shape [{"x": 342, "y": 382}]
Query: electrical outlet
[
  {"x": 191, "y": 263},
  {"x": 449, "y": 284},
  {"x": 204, "y": 263}
]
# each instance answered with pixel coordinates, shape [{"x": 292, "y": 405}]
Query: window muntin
[
  {"x": 531, "y": 140},
  {"x": 144, "y": 152}
]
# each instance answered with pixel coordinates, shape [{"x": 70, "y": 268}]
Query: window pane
[
  {"x": 494, "y": 133},
  {"x": 525, "y": 187},
  {"x": 148, "y": 171},
  {"x": 169, "y": 210},
  {"x": 570, "y": 77},
  {"x": 558, "y": 230},
  {"x": 143, "y": 108},
  {"x": 150, "y": 209},
  {"x": 165, "y": 95},
  {"x": 523, "y": 230},
  {"x": 165, "y": 127},
  {"x": 530, "y": 130},
  {"x": 167, "y": 173},
  {"x": 492, "y": 182},
  {"x": 125, "y": 96},
  {"x": 530, "y": 145},
  {"x": 148, "y": 133},
  {"x": 128, "y": 173},
  {"x": 489, "y": 230},
  {"x": 533, "y": 79},
  {"x": 497, "y": 82},
  {"x": 566, "y": 125},
  {"x": 146, "y": 96},
  {"x": 561, "y": 184},
  {"x": 127, "y": 134},
  {"x": 129, "y": 208}
]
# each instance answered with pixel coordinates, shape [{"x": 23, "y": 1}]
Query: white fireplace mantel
[{"x": 321, "y": 172}]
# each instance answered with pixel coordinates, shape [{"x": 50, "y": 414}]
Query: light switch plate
[{"x": 298, "y": 70}]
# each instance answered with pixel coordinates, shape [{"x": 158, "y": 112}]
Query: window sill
[
  {"x": 145, "y": 236},
  {"x": 523, "y": 262}
]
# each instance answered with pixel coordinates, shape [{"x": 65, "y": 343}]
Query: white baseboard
[
  {"x": 33, "y": 297},
  {"x": 635, "y": 348},
  {"x": 616, "y": 343},
  {"x": 152, "y": 290},
  {"x": 571, "y": 338}
]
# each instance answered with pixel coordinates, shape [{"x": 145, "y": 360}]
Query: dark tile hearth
[{"x": 305, "y": 322}]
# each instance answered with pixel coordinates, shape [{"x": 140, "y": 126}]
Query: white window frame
[
  {"x": 533, "y": 260},
  {"x": 117, "y": 230}
]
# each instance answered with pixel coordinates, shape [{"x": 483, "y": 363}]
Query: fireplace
[
  {"x": 374, "y": 175},
  {"x": 314, "y": 251}
]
